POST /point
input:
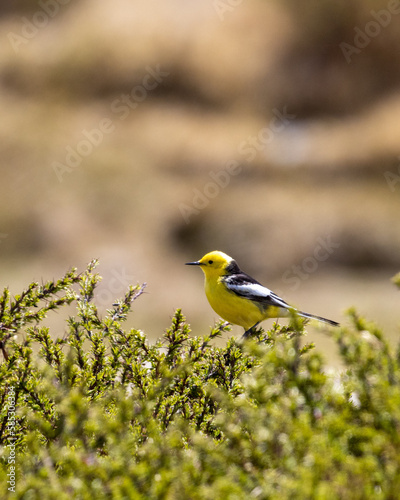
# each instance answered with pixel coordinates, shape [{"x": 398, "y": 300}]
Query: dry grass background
[{"x": 321, "y": 175}]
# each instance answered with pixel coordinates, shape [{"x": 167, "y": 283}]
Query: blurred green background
[{"x": 148, "y": 133}]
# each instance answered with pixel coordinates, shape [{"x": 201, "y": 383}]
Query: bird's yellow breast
[{"x": 231, "y": 307}]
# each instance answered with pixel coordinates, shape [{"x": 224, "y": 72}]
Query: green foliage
[{"x": 102, "y": 413}]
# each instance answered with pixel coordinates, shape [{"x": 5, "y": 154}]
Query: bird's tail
[{"x": 318, "y": 318}]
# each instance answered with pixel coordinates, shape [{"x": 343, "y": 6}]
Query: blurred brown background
[{"x": 148, "y": 133}]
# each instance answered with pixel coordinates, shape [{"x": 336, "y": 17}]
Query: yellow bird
[{"x": 239, "y": 298}]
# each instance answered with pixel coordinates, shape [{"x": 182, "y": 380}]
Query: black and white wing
[{"x": 247, "y": 287}]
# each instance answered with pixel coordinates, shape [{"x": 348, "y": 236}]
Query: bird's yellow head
[{"x": 213, "y": 263}]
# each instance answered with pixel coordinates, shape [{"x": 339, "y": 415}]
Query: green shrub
[{"x": 102, "y": 413}]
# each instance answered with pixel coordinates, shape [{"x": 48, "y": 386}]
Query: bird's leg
[{"x": 250, "y": 331}]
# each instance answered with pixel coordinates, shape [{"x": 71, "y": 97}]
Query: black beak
[{"x": 197, "y": 263}]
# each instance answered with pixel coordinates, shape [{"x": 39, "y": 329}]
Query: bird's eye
[{"x": 211, "y": 262}]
